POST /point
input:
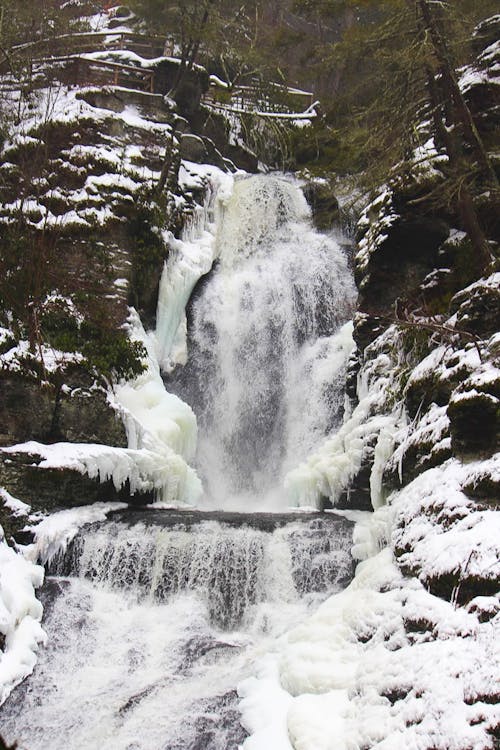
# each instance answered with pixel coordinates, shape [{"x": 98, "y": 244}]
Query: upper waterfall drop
[
  {"x": 260, "y": 207},
  {"x": 268, "y": 342}
]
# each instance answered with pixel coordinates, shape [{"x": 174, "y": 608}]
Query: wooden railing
[
  {"x": 83, "y": 71},
  {"x": 273, "y": 99},
  {"x": 147, "y": 46}
]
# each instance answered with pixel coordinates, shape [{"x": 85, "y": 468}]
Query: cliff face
[{"x": 416, "y": 272}]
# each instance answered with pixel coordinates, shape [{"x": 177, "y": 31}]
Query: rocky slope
[{"x": 97, "y": 179}]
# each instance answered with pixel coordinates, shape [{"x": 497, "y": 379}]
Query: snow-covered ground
[{"x": 386, "y": 664}]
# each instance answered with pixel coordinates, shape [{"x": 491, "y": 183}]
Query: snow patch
[{"x": 20, "y": 615}]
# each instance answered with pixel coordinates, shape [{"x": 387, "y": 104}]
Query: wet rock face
[
  {"x": 474, "y": 424},
  {"x": 209, "y": 124},
  {"x": 415, "y": 267},
  {"x": 323, "y": 203},
  {"x": 366, "y": 329},
  {"x": 27, "y": 411},
  {"x": 357, "y": 497},
  {"x": 200, "y": 150},
  {"x": 402, "y": 261},
  {"x": 478, "y": 309},
  {"x": 484, "y": 488},
  {"x": 189, "y": 93},
  {"x": 79, "y": 414},
  {"x": 155, "y": 107}
]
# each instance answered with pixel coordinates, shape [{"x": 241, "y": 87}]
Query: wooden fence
[
  {"x": 147, "y": 46},
  {"x": 74, "y": 70},
  {"x": 271, "y": 99}
]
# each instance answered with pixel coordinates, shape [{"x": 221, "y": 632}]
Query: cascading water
[
  {"x": 156, "y": 625},
  {"x": 268, "y": 345},
  {"x": 153, "y": 619}
]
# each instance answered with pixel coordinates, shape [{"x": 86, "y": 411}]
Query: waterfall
[
  {"x": 268, "y": 343},
  {"x": 151, "y": 627},
  {"x": 155, "y": 616}
]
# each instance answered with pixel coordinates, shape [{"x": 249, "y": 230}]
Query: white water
[
  {"x": 268, "y": 346},
  {"x": 147, "y": 644}
]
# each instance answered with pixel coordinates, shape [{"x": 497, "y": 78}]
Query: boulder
[
  {"x": 474, "y": 423},
  {"x": 405, "y": 255},
  {"x": 324, "y": 205},
  {"x": 478, "y": 307},
  {"x": 209, "y": 124},
  {"x": 200, "y": 150},
  {"x": 189, "y": 92},
  {"x": 78, "y": 413}
]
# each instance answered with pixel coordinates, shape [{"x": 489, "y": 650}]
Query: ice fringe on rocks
[
  {"x": 54, "y": 533},
  {"x": 20, "y": 615},
  {"x": 158, "y": 422},
  {"x": 161, "y": 428},
  {"x": 386, "y": 664},
  {"x": 328, "y": 471},
  {"x": 190, "y": 258}
]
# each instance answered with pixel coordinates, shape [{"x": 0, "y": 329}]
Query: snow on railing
[
  {"x": 85, "y": 41},
  {"x": 82, "y": 71},
  {"x": 275, "y": 100}
]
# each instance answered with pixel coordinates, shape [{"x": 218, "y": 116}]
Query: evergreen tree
[{"x": 399, "y": 88}]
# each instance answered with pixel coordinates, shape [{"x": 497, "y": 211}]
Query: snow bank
[
  {"x": 383, "y": 664},
  {"x": 20, "y": 615},
  {"x": 386, "y": 664},
  {"x": 157, "y": 421},
  {"x": 163, "y": 472},
  {"x": 446, "y": 533}
]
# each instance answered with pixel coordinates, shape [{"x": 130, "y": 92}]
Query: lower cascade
[{"x": 151, "y": 627}]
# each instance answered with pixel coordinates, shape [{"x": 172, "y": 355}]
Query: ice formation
[
  {"x": 190, "y": 258},
  {"x": 328, "y": 471},
  {"x": 20, "y": 615},
  {"x": 385, "y": 664}
]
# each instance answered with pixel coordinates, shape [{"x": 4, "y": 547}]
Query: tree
[
  {"x": 227, "y": 36},
  {"x": 399, "y": 89},
  {"x": 454, "y": 127},
  {"x": 187, "y": 22}
]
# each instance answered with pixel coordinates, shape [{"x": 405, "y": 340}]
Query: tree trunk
[
  {"x": 471, "y": 225},
  {"x": 465, "y": 204}
]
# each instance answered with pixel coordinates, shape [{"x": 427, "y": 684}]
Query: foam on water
[{"x": 150, "y": 635}]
